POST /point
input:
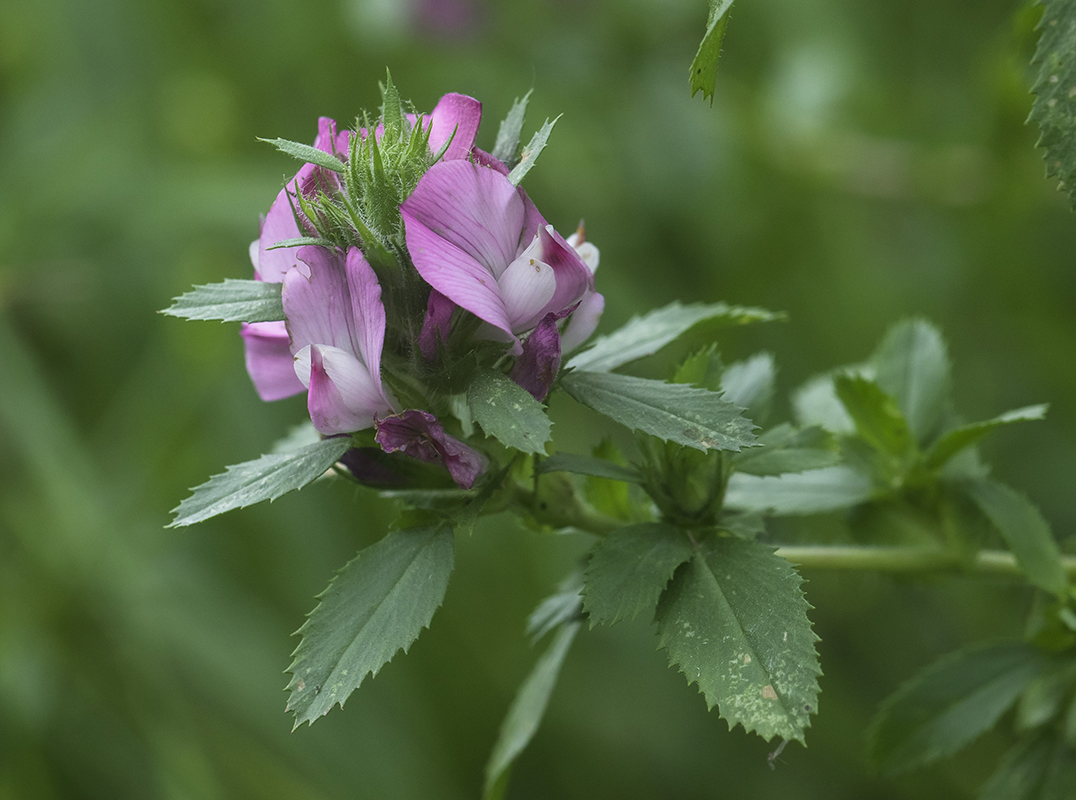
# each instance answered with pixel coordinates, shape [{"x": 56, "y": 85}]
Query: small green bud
[{"x": 688, "y": 485}]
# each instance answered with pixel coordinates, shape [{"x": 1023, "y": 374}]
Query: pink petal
[
  {"x": 474, "y": 208},
  {"x": 419, "y": 434},
  {"x": 526, "y": 287},
  {"x": 455, "y": 110},
  {"x": 487, "y": 160},
  {"x": 454, "y": 273},
  {"x": 439, "y": 310},
  {"x": 582, "y": 322},
  {"x": 574, "y": 279},
  {"x": 536, "y": 369},
  {"x": 343, "y": 396},
  {"x": 269, "y": 361},
  {"x": 367, "y": 312}
]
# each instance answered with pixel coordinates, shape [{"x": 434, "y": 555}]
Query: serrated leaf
[
  {"x": 734, "y": 620},
  {"x": 813, "y": 492},
  {"x": 702, "y": 368},
  {"x": 877, "y": 417},
  {"x": 1024, "y": 530},
  {"x": 1036, "y": 768},
  {"x": 950, "y": 704},
  {"x": 564, "y": 605},
  {"x": 645, "y": 335},
  {"x": 957, "y": 439},
  {"x": 305, "y": 152},
  {"x": 630, "y": 568},
  {"x": 511, "y": 127},
  {"x": 508, "y": 412},
  {"x": 230, "y": 301},
  {"x": 749, "y": 384},
  {"x": 912, "y": 366},
  {"x": 1055, "y": 92},
  {"x": 531, "y": 152},
  {"x": 704, "y": 65},
  {"x": 265, "y": 478},
  {"x": 588, "y": 465},
  {"x": 526, "y": 712},
  {"x": 674, "y": 412},
  {"x": 375, "y": 605}
]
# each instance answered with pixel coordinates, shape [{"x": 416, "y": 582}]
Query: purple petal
[
  {"x": 583, "y": 321},
  {"x": 537, "y": 368},
  {"x": 343, "y": 397},
  {"x": 419, "y": 434},
  {"x": 527, "y": 286},
  {"x": 574, "y": 278},
  {"x": 487, "y": 160},
  {"x": 436, "y": 325},
  {"x": 269, "y": 361},
  {"x": 336, "y": 304},
  {"x": 459, "y": 113},
  {"x": 473, "y": 208},
  {"x": 455, "y": 274}
]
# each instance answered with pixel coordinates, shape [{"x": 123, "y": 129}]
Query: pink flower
[{"x": 480, "y": 242}]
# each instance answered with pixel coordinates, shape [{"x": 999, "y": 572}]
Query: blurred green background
[{"x": 861, "y": 162}]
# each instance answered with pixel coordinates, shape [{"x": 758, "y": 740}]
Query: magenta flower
[
  {"x": 268, "y": 353},
  {"x": 336, "y": 326},
  {"x": 480, "y": 242}
]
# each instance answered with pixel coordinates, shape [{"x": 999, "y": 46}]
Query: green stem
[{"x": 907, "y": 559}]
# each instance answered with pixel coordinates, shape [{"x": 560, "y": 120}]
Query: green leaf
[
  {"x": 1041, "y": 702},
  {"x": 508, "y": 412},
  {"x": 702, "y": 368},
  {"x": 644, "y": 336},
  {"x": 674, "y": 412},
  {"x": 508, "y": 133},
  {"x": 230, "y": 301},
  {"x": 749, "y": 384},
  {"x": 375, "y": 605},
  {"x": 816, "y": 404},
  {"x": 526, "y": 712},
  {"x": 531, "y": 152},
  {"x": 878, "y": 419},
  {"x": 912, "y": 366},
  {"x": 734, "y": 620},
  {"x": 957, "y": 439},
  {"x": 305, "y": 152},
  {"x": 1025, "y": 531},
  {"x": 704, "y": 65},
  {"x": 949, "y": 704},
  {"x": 588, "y": 465},
  {"x": 774, "y": 461},
  {"x": 563, "y": 606},
  {"x": 1037, "y": 768},
  {"x": 614, "y": 497},
  {"x": 301, "y": 435},
  {"x": 813, "y": 492},
  {"x": 265, "y": 478},
  {"x": 629, "y": 569},
  {"x": 1055, "y": 92}
]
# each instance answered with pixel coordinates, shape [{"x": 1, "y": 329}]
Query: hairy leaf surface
[
  {"x": 230, "y": 301},
  {"x": 645, "y": 335},
  {"x": 630, "y": 568},
  {"x": 508, "y": 412},
  {"x": 734, "y": 620},
  {"x": 674, "y": 412},
  {"x": 265, "y": 478},
  {"x": 375, "y": 605}
]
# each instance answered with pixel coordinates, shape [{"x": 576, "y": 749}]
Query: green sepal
[
  {"x": 301, "y": 241},
  {"x": 307, "y": 153},
  {"x": 507, "y": 143},
  {"x": 531, "y": 152}
]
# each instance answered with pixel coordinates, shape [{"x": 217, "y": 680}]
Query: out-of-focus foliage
[{"x": 861, "y": 162}]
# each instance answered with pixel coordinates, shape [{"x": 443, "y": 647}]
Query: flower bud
[{"x": 686, "y": 484}]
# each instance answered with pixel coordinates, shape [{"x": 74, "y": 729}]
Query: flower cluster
[{"x": 413, "y": 264}]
